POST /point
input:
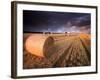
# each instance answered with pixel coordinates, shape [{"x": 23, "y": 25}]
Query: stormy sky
[{"x": 58, "y": 22}]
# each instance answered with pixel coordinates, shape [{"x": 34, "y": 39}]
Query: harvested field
[{"x": 56, "y": 50}]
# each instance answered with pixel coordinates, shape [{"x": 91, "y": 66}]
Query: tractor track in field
[
  {"x": 86, "y": 49},
  {"x": 70, "y": 54}
]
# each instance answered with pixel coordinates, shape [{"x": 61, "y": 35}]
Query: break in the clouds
[{"x": 43, "y": 21}]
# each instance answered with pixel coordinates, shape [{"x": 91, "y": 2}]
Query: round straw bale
[{"x": 39, "y": 44}]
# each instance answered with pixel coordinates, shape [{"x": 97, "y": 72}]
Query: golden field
[{"x": 56, "y": 50}]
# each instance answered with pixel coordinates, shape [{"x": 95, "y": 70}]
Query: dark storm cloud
[
  {"x": 82, "y": 21},
  {"x": 39, "y": 21}
]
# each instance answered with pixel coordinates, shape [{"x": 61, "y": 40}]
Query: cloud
[
  {"x": 81, "y": 21},
  {"x": 85, "y": 29}
]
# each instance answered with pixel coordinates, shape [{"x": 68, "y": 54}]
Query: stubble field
[{"x": 68, "y": 50}]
